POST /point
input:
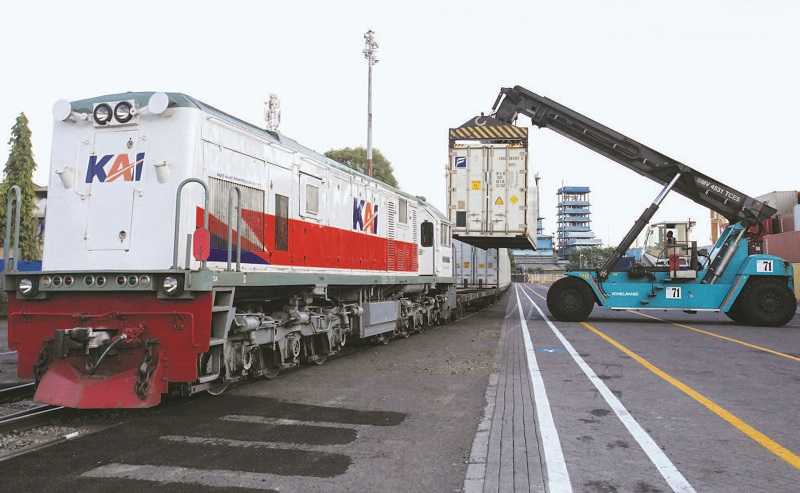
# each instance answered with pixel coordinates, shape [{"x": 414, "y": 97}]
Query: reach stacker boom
[{"x": 734, "y": 277}]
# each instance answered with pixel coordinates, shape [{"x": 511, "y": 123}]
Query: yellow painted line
[
  {"x": 752, "y": 433},
  {"x": 719, "y": 336}
]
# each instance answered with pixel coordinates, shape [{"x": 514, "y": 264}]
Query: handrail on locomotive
[
  {"x": 238, "y": 228},
  {"x": 178, "y": 219},
  {"x": 10, "y": 261}
]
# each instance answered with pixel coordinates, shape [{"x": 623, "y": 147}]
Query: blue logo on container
[{"x": 461, "y": 161}]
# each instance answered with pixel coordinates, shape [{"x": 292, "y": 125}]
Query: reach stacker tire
[
  {"x": 570, "y": 300},
  {"x": 735, "y": 314},
  {"x": 766, "y": 302}
]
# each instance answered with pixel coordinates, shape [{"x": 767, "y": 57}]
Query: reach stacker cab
[{"x": 734, "y": 277}]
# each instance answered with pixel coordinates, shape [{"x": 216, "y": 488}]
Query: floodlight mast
[{"x": 370, "y": 53}]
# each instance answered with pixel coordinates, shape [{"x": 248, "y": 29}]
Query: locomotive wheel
[
  {"x": 312, "y": 351},
  {"x": 406, "y": 327},
  {"x": 767, "y": 303},
  {"x": 271, "y": 362},
  {"x": 272, "y": 372},
  {"x": 217, "y": 389},
  {"x": 218, "y": 386},
  {"x": 570, "y": 300}
]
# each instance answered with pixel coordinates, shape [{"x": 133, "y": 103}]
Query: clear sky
[{"x": 714, "y": 84}]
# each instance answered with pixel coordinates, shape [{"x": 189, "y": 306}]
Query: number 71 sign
[
  {"x": 765, "y": 266},
  {"x": 674, "y": 293}
]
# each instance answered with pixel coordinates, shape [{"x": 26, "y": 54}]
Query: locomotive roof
[{"x": 180, "y": 100}]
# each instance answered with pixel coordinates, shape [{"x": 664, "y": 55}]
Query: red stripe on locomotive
[{"x": 313, "y": 245}]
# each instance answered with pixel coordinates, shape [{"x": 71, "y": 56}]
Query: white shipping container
[
  {"x": 475, "y": 267},
  {"x": 490, "y": 200},
  {"x": 503, "y": 268},
  {"x": 797, "y": 217}
]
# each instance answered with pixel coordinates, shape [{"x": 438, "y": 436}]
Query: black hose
[{"x": 93, "y": 368}]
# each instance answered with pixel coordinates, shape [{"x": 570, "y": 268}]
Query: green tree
[
  {"x": 592, "y": 258},
  {"x": 356, "y": 158},
  {"x": 19, "y": 171}
]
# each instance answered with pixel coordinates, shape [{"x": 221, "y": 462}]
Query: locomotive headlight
[
  {"x": 62, "y": 110},
  {"x": 158, "y": 103},
  {"x": 171, "y": 286},
  {"x": 123, "y": 112},
  {"x": 102, "y": 114},
  {"x": 144, "y": 280},
  {"x": 26, "y": 287},
  {"x": 45, "y": 281}
]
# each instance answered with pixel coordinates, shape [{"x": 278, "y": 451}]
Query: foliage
[
  {"x": 593, "y": 258},
  {"x": 356, "y": 158},
  {"x": 19, "y": 171}
]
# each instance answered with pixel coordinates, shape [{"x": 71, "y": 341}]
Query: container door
[
  {"x": 476, "y": 189},
  {"x": 114, "y": 168},
  {"x": 506, "y": 190},
  {"x": 467, "y": 194}
]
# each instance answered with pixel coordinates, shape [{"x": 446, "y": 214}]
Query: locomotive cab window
[
  {"x": 426, "y": 234},
  {"x": 403, "y": 211},
  {"x": 444, "y": 238},
  {"x": 312, "y": 199},
  {"x": 281, "y": 222}
]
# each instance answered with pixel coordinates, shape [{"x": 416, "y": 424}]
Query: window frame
[
  {"x": 444, "y": 234},
  {"x": 316, "y": 189},
  {"x": 402, "y": 210},
  {"x": 281, "y": 223},
  {"x": 423, "y": 237}
]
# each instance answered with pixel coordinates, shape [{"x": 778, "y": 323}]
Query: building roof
[{"x": 574, "y": 189}]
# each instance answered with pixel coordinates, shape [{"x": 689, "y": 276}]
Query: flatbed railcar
[{"x": 186, "y": 249}]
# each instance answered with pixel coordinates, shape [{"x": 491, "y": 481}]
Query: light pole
[{"x": 370, "y": 50}]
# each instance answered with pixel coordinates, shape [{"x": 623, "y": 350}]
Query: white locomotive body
[
  {"x": 301, "y": 212},
  {"x": 205, "y": 250}
]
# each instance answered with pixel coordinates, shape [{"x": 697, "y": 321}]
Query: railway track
[
  {"x": 39, "y": 411},
  {"x": 10, "y": 419},
  {"x": 16, "y": 391}
]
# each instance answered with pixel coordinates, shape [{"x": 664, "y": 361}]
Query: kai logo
[
  {"x": 121, "y": 168},
  {"x": 365, "y": 216}
]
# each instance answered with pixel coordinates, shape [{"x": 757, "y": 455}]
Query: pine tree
[{"x": 19, "y": 171}]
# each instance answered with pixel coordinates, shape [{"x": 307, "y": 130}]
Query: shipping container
[
  {"x": 784, "y": 245},
  {"x": 503, "y": 268},
  {"x": 797, "y": 217},
  {"x": 478, "y": 268},
  {"x": 787, "y": 222},
  {"x": 490, "y": 200},
  {"x": 796, "y": 280},
  {"x": 782, "y": 201}
]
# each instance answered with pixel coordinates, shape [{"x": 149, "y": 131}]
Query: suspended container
[{"x": 490, "y": 200}]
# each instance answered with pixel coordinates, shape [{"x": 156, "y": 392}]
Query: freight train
[{"x": 187, "y": 249}]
